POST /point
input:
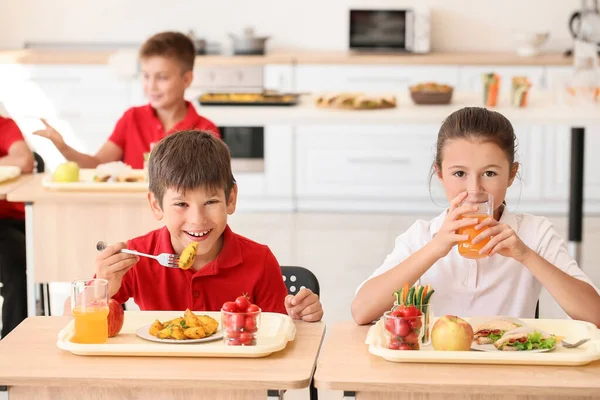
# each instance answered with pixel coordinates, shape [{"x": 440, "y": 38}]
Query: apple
[
  {"x": 66, "y": 172},
  {"x": 115, "y": 317},
  {"x": 451, "y": 333}
]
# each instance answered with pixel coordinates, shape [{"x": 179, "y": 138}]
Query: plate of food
[
  {"x": 190, "y": 328},
  {"x": 521, "y": 339},
  {"x": 355, "y": 101}
]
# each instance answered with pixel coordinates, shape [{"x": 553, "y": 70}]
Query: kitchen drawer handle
[{"x": 379, "y": 160}]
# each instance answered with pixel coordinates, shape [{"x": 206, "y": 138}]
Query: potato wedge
[
  {"x": 195, "y": 333},
  {"x": 211, "y": 325},
  {"x": 156, "y": 327}
]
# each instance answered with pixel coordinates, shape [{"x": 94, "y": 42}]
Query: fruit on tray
[
  {"x": 66, "y": 172},
  {"x": 241, "y": 320},
  {"x": 404, "y": 328},
  {"x": 451, "y": 333},
  {"x": 420, "y": 297}
]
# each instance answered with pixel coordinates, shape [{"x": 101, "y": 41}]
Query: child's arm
[
  {"x": 551, "y": 264},
  {"x": 376, "y": 295},
  {"x": 109, "y": 151},
  {"x": 19, "y": 155},
  {"x": 576, "y": 297}
]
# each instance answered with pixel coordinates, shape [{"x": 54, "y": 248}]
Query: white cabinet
[
  {"x": 228, "y": 78},
  {"x": 528, "y": 185},
  {"x": 369, "y": 78},
  {"x": 357, "y": 166},
  {"x": 279, "y": 77},
  {"x": 557, "y": 167}
]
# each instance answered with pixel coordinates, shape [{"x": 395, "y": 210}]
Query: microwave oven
[{"x": 395, "y": 30}]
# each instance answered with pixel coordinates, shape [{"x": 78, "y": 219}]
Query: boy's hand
[
  {"x": 111, "y": 265},
  {"x": 305, "y": 305},
  {"x": 50, "y": 133},
  {"x": 504, "y": 240}
]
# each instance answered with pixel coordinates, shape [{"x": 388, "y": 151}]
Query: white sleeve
[
  {"x": 404, "y": 246},
  {"x": 554, "y": 249}
]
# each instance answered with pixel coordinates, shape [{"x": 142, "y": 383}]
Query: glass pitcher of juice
[
  {"x": 89, "y": 306},
  {"x": 485, "y": 209}
]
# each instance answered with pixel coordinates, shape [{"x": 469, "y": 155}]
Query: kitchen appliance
[
  {"x": 248, "y": 44},
  {"x": 396, "y": 30},
  {"x": 585, "y": 24},
  {"x": 246, "y": 146}
]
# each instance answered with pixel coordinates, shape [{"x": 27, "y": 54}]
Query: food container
[
  {"x": 248, "y": 44},
  {"x": 519, "y": 91},
  {"x": 241, "y": 328},
  {"x": 403, "y": 332},
  {"x": 431, "y": 93},
  {"x": 491, "y": 89}
]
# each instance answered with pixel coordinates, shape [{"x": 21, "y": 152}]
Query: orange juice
[
  {"x": 466, "y": 248},
  {"x": 91, "y": 325}
]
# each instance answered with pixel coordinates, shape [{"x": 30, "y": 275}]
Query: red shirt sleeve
[
  {"x": 119, "y": 135},
  {"x": 271, "y": 292},
  {"x": 9, "y": 134}
]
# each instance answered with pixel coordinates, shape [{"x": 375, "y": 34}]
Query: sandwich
[
  {"x": 346, "y": 100},
  {"x": 524, "y": 339},
  {"x": 368, "y": 102},
  {"x": 492, "y": 330}
]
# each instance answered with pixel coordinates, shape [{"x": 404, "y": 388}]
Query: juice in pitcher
[
  {"x": 466, "y": 248},
  {"x": 91, "y": 325}
]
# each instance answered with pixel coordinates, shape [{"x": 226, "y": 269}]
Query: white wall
[{"x": 458, "y": 25}]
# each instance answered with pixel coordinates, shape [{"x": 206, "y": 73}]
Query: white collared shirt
[{"x": 493, "y": 285}]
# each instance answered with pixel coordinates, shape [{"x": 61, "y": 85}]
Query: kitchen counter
[
  {"x": 542, "y": 109},
  {"x": 46, "y": 56}
]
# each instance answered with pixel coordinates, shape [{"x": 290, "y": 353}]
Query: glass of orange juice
[
  {"x": 89, "y": 305},
  {"x": 485, "y": 209}
]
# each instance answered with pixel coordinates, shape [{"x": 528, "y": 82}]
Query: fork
[
  {"x": 577, "y": 344},
  {"x": 164, "y": 259}
]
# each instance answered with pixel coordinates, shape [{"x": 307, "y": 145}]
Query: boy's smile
[{"x": 196, "y": 215}]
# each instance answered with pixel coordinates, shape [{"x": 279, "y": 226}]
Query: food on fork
[
  {"x": 490, "y": 331},
  {"x": 190, "y": 326},
  {"x": 524, "y": 339},
  {"x": 188, "y": 255}
]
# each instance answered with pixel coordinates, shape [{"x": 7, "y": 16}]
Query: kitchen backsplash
[{"x": 457, "y": 25}]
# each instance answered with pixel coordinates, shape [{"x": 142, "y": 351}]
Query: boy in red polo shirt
[
  {"x": 167, "y": 62},
  {"x": 13, "y": 151},
  {"x": 192, "y": 190}
]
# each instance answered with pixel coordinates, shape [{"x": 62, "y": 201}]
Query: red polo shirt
[
  {"x": 139, "y": 128},
  {"x": 9, "y": 134},
  {"x": 242, "y": 266}
]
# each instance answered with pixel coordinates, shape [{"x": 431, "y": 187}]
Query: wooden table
[
  {"x": 34, "y": 368},
  {"x": 8, "y": 186},
  {"x": 346, "y": 364},
  {"x": 64, "y": 227}
]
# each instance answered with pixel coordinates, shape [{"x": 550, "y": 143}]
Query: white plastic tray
[
  {"x": 87, "y": 183},
  {"x": 571, "y": 330},
  {"x": 275, "y": 331}
]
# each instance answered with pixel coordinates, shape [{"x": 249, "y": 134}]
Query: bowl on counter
[
  {"x": 431, "y": 93},
  {"x": 528, "y": 44}
]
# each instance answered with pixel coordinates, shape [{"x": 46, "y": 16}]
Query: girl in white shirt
[{"x": 476, "y": 151}]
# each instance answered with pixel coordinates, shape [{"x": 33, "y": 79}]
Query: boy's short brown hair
[
  {"x": 174, "y": 45},
  {"x": 189, "y": 160}
]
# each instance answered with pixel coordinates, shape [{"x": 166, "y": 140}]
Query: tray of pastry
[{"x": 248, "y": 99}]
